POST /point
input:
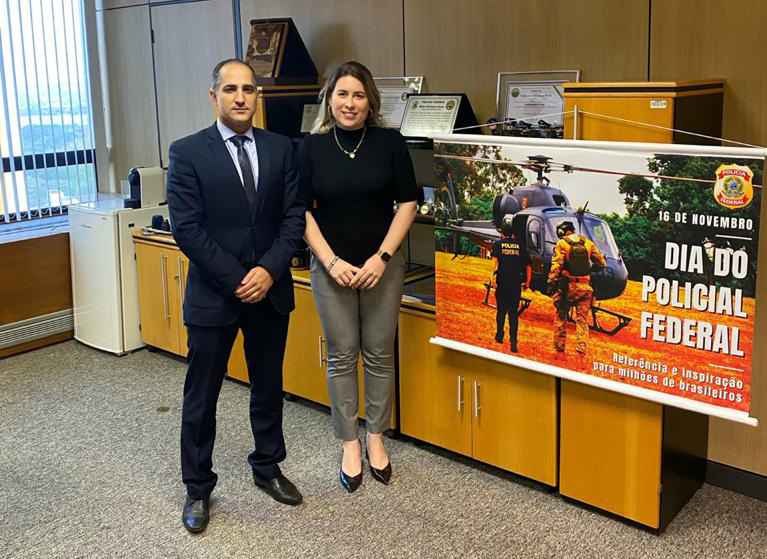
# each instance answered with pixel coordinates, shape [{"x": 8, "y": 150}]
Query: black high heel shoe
[
  {"x": 383, "y": 475},
  {"x": 350, "y": 483}
]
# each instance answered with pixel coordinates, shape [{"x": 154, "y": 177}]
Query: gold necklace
[{"x": 352, "y": 153}]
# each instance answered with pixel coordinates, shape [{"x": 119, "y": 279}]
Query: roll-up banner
[{"x": 631, "y": 267}]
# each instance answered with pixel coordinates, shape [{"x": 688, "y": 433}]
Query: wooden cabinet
[
  {"x": 161, "y": 280},
  {"x": 637, "y": 459},
  {"x": 616, "y": 111},
  {"x": 496, "y": 413},
  {"x": 306, "y": 351}
]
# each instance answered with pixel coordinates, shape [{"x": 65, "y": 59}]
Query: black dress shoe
[
  {"x": 499, "y": 338},
  {"x": 383, "y": 475},
  {"x": 196, "y": 515},
  {"x": 279, "y": 488}
]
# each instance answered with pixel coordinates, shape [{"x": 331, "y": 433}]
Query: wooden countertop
[{"x": 301, "y": 277}]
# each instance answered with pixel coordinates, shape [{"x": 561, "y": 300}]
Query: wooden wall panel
[
  {"x": 717, "y": 39},
  {"x": 35, "y": 277},
  {"x": 461, "y": 46},
  {"x": 130, "y": 82},
  {"x": 691, "y": 39},
  {"x": 335, "y": 31},
  {"x": 183, "y": 63}
]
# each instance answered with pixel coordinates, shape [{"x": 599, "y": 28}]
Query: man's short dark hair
[{"x": 217, "y": 71}]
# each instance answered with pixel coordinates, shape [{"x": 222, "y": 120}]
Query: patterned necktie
[{"x": 248, "y": 182}]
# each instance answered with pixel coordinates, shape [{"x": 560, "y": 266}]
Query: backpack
[{"x": 579, "y": 260}]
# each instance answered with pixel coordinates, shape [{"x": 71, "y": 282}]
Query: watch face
[{"x": 385, "y": 256}]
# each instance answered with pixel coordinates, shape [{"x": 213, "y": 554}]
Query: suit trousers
[
  {"x": 264, "y": 335},
  {"x": 358, "y": 321}
]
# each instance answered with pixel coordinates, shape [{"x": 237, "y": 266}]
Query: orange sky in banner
[{"x": 462, "y": 317}]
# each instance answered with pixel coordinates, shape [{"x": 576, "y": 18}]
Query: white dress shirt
[{"x": 250, "y": 148}]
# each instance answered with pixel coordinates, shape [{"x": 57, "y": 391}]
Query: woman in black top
[{"x": 353, "y": 171}]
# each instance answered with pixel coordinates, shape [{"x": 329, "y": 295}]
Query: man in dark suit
[{"x": 236, "y": 213}]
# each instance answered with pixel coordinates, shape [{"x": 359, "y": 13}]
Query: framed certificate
[
  {"x": 310, "y": 112},
  {"x": 426, "y": 115},
  {"x": 394, "y": 94},
  {"x": 532, "y": 96},
  {"x": 413, "y": 83}
]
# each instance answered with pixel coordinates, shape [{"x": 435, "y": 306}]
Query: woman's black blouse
[{"x": 352, "y": 199}]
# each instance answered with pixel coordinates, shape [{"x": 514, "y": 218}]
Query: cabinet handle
[
  {"x": 181, "y": 282},
  {"x": 164, "y": 273},
  {"x": 322, "y": 358},
  {"x": 460, "y": 393},
  {"x": 476, "y": 399}
]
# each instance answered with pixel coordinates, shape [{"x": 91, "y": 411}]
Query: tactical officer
[
  {"x": 570, "y": 282},
  {"x": 511, "y": 275}
]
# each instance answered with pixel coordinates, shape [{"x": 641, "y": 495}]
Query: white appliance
[{"x": 104, "y": 280}]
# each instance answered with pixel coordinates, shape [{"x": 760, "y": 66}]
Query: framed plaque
[
  {"x": 413, "y": 83},
  {"x": 394, "y": 93},
  {"x": 426, "y": 115},
  {"x": 278, "y": 55},
  {"x": 528, "y": 97},
  {"x": 311, "y": 110},
  {"x": 265, "y": 47}
]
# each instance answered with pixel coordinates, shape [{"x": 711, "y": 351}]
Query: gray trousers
[{"x": 359, "y": 321}]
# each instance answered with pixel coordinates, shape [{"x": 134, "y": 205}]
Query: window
[
  {"x": 46, "y": 133},
  {"x": 534, "y": 234}
]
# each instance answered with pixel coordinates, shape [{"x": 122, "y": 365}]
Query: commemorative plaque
[
  {"x": 427, "y": 115},
  {"x": 264, "y": 51},
  {"x": 394, "y": 93},
  {"x": 393, "y": 103},
  {"x": 278, "y": 55},
  {"x": 311, "y": 110}
]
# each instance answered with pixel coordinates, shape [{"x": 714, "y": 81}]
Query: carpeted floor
[{"x": 89, "y": 468}]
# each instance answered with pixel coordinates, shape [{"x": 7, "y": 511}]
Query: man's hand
[
  {"x": 254, "y": 285},
  {"x": 367, "y": 276},
  {"x": 525, "y": 287}
]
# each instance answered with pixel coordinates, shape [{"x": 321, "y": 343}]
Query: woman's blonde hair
[{"x": 325, "y": 120}]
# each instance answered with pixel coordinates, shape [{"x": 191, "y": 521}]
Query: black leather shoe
[
  {"x": 196, "y": 515},
  {"x": 514, "y": 348},
  {"x": 350, "y": 483},
  {"x": 279, "y": 488},
  {"x": 383, "y": 475},
  {"x": 499, "y": 338}
]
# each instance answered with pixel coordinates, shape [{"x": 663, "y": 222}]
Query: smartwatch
[{"x": 385, "y": 256}]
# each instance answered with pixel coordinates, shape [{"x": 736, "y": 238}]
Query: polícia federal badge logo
[{"x": 733, "y": 188}]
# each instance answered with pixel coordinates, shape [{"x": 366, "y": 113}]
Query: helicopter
[{"x": 537, "y": 209}]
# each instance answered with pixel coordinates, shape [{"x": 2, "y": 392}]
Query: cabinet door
[
  {"x": 306, "y": 351},
  {"x": 611, "y": 451},
  {"x": 514, "y": 415},
  {"x": 434, "y": 383},
  {"x": 157, "y": 306}
]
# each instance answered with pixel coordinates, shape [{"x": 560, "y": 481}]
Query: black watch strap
[{"x": 385, "y": 256}]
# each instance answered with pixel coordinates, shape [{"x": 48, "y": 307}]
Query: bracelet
[{"x": 333, "y": 263}]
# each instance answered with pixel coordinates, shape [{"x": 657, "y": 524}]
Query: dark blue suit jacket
[{"x": 215, "y": 228}]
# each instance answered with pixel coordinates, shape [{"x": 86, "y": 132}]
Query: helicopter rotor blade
[{"x": 554, "y": 166}]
